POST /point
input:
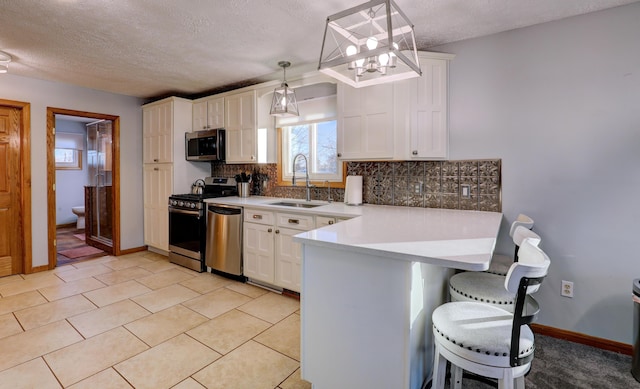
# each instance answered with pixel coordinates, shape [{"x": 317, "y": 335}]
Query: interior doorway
[
  {"x": 15, "y": 188},
  {"x": 99, "y": 194}
]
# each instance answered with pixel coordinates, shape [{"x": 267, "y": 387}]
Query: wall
[
  {"x": 70, "y": 183},
  {"x": 558, "y": 103},
  {"x": 42, "y": 94}
]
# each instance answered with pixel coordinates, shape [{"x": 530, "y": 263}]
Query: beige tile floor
[{"x": 140, "y": 321}]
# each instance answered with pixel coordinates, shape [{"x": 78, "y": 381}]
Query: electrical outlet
[{"x": 567, "y": 288}]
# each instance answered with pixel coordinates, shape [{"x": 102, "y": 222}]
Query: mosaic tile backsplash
[{"x": 429, "y": 184}]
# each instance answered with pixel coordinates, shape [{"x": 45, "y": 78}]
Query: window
[
  {"x": 317, "y": 142},
  {"x": 313, "y": 134},
  {"x": 68, "y": 150},
  {"x": 68, "y": 159}
]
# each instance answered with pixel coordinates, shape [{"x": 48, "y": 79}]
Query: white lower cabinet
[
  {"x": 157, "y": 187},
  {"x": 270, "y": 254},
  {"x": 258, "y": 252}
]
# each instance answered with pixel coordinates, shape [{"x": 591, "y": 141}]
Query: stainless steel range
[{"x": 188, "y": 222}]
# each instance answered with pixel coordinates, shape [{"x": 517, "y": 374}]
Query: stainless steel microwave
[{"x": 207, "y": 145}]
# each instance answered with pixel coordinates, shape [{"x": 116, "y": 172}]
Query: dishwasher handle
[{"x": 224, "y": 210}]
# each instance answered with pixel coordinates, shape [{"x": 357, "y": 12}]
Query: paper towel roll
[{"x": 353, "y": 190}]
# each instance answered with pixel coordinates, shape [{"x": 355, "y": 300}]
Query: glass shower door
[{"x": 98, "y": 195}]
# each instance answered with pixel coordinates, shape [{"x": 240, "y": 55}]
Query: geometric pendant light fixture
[
  {"x": 4, "y": 62},
  {"x": 284, "y": 98},
  {"x": 372, "y": 43}
]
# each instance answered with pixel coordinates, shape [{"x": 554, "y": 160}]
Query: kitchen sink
[{"x": 296, "y": 204}]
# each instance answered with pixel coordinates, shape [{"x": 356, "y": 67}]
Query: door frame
[
  {"x": 24, "y": 225},
  {"x": 51, "y": 177}
]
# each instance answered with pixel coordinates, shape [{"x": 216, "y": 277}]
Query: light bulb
[
  {"x": 383, "y": 59},
  {"x": 284, "y": 101},
  {"x": 351, "y": 50},
  {"x": 359, "y": 62},
  {"x": 372, "y": 43}
]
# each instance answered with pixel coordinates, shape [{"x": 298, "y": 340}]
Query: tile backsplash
[{"x": 431, "y": 184}]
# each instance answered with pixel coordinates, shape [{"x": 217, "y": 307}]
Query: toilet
[{"x": 79, "y": 211}]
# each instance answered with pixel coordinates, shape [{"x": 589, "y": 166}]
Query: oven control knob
[
  {"x": 174, "y": 202},
  {"x": 181, "y": 203},
  {"x": 193, "y": 205}
]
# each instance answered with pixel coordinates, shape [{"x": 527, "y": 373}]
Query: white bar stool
[
  {"x": 489, "y": 288},
  {"x": 500, "y": 263},
  {"x": 487, "y": 340}
]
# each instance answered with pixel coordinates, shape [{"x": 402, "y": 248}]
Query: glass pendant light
[
  {"x": 369, "y": 44},
  {"x": 284, "y": 101}
]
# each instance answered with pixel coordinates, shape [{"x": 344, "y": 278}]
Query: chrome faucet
[{"x": 306, "y": 166}]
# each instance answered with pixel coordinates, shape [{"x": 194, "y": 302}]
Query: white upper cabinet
[
  {"x": 365, "y": 122},
  {"x": 402, "y": 120},
  {"x": 422, "y": 115},
  {"x": 241, "y": 126},
  {"x": 157, "y": 133},
  {"x": 428, "y": 111},
  {"x": 208, "y": 114}
]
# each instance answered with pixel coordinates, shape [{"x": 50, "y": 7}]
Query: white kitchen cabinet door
[
  {"x": 365, "y": 122},
  {"x": 200, "y": 116},
  {"x": 157, "y": 133},
  {"x": 208, "y": 114},
  {"x": 258, "y": 252},
  {"x": 240, "y": 123},
  {"x": 215, "y": 113},
  {"x": 429, "y": 138},
  {"x": 288, "y": 259},
  {"x": 157, "y": 187}
]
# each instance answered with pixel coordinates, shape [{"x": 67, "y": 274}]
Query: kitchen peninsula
[
  {"x": 369, "y": 286},
  {"x": 370, "y": 283}
]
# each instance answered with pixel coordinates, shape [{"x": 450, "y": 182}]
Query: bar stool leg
[
  {"x": 456, "y": 377},
  {"x": 439, "y": 370}
]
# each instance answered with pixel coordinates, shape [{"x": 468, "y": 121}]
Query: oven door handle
[{"x": 184, "y": 212}]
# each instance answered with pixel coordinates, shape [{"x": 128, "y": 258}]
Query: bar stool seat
[
  {"x": 486, "y": 287},
  {"x": 481, "y": 287},
  {"x": 479, "y": 332}
]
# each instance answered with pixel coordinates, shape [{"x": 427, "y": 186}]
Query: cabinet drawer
[
  {"x": 322, "y": 221},
  {"x": 298, "y": 222},
  {"x": 258, "y": 216}
]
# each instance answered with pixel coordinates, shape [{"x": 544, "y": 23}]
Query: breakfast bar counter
[{"x": 369, "y": 285}]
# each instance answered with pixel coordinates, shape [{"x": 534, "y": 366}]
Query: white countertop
[{"x": 451, "y": 238}]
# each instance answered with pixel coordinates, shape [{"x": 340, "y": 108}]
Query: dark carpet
[{"x": 560, "y": 364}]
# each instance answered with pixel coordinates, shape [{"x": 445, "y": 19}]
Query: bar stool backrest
[
  {"x": 532, "y": 263},
  {"x": 521, "y": 220}
]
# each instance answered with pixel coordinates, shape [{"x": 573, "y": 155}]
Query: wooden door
[{"x": 11, "y": 248}]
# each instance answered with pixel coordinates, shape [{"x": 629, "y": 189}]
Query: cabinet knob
[
  {"x": 258, "y": 217},
  {"x": 253, "y": 157},
  {"x": 156, "y": 169},
  {"x": 294, "y": 221},
  {"x": 339, "y": 155},
  {"x": 155, "y": 160},
  {"x": 330, "y": 222},
  {"x": 277, "y": 231},
  {"x": 270, "y": 230},
  {"x": 414, "y": 152}
]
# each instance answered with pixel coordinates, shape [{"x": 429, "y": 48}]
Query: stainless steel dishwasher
[{"x": 224, "y": 239}]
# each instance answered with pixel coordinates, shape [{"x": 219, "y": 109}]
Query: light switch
[{"x": 465, "y": 191}]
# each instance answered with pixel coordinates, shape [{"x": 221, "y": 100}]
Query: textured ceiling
[{"x": 150, "y": 48}]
